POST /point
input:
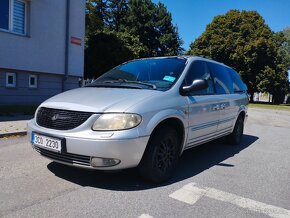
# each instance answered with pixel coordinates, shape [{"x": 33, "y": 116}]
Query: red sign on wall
[{"x": 76, "y": 41}]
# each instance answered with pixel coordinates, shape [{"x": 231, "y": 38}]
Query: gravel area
[{"x": 15, "y": 124}]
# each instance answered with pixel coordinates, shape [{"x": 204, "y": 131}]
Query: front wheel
[
  {"x": 161, "y": 155},
  {"x": 236, "y": 136}
]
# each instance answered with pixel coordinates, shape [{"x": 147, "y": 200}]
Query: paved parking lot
[{"x": 213, "y": 180}]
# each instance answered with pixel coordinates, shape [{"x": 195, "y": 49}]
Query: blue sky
[{"x": 192, "y": 16}]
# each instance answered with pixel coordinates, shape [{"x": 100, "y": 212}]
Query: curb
[{"x": 22, "y": 133}]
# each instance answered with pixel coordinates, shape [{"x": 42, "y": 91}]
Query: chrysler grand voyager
[{"x": 143, "y": 113}]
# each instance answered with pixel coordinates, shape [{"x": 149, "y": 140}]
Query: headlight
[{"x": 108, "y": 122}]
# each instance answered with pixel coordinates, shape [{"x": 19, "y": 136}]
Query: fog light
[{"x": 104, "y": 162}]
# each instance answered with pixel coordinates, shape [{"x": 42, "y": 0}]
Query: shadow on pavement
[
  {"x": 192, "y": 162},
  {"x": 15, "y": 118}
]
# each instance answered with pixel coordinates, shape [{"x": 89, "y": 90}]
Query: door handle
[{"x": 216, "y": 108}]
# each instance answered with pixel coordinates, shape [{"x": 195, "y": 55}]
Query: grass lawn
[
  {"x": 9, "y": 110},
  {"x": 284, "y": 107}
]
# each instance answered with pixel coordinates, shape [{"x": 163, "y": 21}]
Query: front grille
[
  {"x": 65, "y": 157},
  {"x": 60, "y": 119}
]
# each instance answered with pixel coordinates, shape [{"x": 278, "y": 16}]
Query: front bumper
[{"x": 82, "y": 144}]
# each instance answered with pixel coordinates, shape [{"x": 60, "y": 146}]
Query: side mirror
[{"x": 198, "y": 84}]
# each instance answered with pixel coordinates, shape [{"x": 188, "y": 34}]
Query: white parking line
[
  {"x": 190, "y": 194},
  {"x": 145, "y": 216}
]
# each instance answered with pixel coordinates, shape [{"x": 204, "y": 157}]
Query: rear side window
[
  {"x": 222, "y": 80},
  {"x": 238, "y": 84},
  {"x": 199, "y": 70}
]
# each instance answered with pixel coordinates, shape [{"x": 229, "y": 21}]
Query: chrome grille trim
[
  {"x": 65, "y": 157},
  {"x": 60, "y": 119}
]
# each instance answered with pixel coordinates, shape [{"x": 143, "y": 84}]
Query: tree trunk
[{"x": 251, "y": 97}]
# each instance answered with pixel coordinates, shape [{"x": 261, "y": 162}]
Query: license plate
[{"x": 46, "y": 142}]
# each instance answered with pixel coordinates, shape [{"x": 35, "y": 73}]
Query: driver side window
[{"x": 199, "y": 70}]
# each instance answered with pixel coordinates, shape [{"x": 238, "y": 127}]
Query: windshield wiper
[
  {"x": 132, "y": 82},
  {"x": 112, "y": 85}
]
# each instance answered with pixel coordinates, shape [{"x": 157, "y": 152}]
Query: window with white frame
[
  {"x": 13, "y": 16},
  {"x": 32, "y": 81},
  {"x": 11, "y": 80}
]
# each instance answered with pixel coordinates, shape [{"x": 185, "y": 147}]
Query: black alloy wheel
[
  {"x": 161, "y": 155},
  {"x": 236, "y": 136}
]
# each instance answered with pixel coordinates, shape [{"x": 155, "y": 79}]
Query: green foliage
[
  {"x": 286, "y": 33},
  {"x": 132, "y": 43},
  {"x": 117, "y": 11},
  {"x": 283, "y": 40},
  {"x": 153, "y": 24},
  {"x": 141, "y": 22},
  {"x": 95, "y": 15},
  {"x": 169, "y": 41},
  {"x": 105, "y": 50},
  {"x": 117, "y": 31},
  {"x": 241, "y": 39},
  {"x": 273, "y": 81}
]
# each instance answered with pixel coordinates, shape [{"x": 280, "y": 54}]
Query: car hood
[{"x": 96, "y": 99}]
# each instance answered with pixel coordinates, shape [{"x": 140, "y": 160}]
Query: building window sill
[{"x": 14, "y": 33}]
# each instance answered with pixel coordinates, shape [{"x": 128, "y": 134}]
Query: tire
[
  {"x": 161, "y": 156},
  {"x": 236, "y": 136}
]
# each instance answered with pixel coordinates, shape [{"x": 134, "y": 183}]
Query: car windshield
[{"x": 154, "y": 73}]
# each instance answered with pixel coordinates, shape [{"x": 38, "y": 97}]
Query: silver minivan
[{"x": 143, "y": 113}]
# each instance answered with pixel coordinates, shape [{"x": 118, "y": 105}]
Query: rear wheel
[
  {"x": 161, "y": 155},
  {"x": 236, "y": 136}
]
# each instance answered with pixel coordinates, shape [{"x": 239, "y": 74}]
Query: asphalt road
[{"x": 213, "y": 180}]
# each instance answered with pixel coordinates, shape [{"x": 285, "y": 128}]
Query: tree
[
  {"x": 283, "y": 41},
  {"x": 274, "y": 79},
  {"x": 169, "y": 42},
  {"x": 117, "y": 10},
  {"x": 95, "y": 16},
  {"x": 104, "y": 51},
  {"x": 286, "y": 33},
  {"x": 153, "y": 25},
  {"x": 117, "y": 31},
  {"x": 243, "y": 40},
  {"x": 141, "y": 22},
  {"x": 286, "y": 45}
]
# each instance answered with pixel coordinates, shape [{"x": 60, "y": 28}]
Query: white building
[{"x": 41, "y": 48}]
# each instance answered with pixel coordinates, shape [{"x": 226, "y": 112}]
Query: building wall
[
  {"x": 43, "y": 49},
  {"x": 77, "y": 29},
  {"x": 48, "y": 86},
  {"x": 42, "y": 52}
]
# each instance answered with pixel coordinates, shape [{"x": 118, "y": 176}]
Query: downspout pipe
[{"x": 66, "y": 44}]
